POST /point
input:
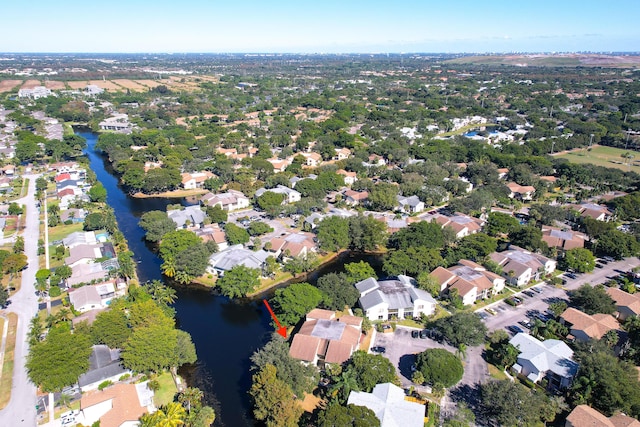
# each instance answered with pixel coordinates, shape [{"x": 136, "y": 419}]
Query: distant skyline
[{"x": 326, "y": 26}]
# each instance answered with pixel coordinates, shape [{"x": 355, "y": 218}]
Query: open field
[
  {"x": 150, "y": 83},
  {"x": 129, "y": 84},
  {"x": 608, "y": 157},
  {"x": 30, "y": 84},
  {"x": 54, "y": 85},
  {"x": 8, "y": 85},
  {"x": 106, "y": 85},
  {"x": 77, "y": 84},
  {"x": 7, "y": 366}
]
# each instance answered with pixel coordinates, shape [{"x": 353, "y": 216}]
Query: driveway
[{"x": 21, "y": 410}]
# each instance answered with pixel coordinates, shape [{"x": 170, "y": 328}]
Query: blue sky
[{"x": 331, "y": 26}]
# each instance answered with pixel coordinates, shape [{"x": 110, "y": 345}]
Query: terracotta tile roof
[
  {"x": 304, "y": 347},
  {"x": 586, "y": 416},
  {"x": 594, "y": 326},
  {"x": 625, "y": 299},
  {"x": 318, "y": 313},
  {"x": 338, "y": 352},
  {"x": 351, "y": 320},
  {"x": 621, "y": 420},
  {"x": 125, "y": 404}
]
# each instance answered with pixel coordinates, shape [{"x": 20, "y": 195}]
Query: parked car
[
  {"x": 491, "y": 311},
  {"x": 537, "y": 290},
  {"x": 378, "y": 349},
  {"x": 513, "y": 301},
  {"x": 528, "y": 293},
  {"x": 608, "y": 258},
  {"x": 598, "y": 265},
  {"x": 515, "y": 329},
  {"x": 424, "y": 334},
  {"x": 525, "y": 323},
  {"x": 415, "y": 334},
  {"x": 571, "y": 275}
]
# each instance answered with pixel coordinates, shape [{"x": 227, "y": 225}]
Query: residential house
[
  {"x": 520, "y": 192},
  {"x": 35, "y": 93},
  {"x": 349, "y": 177},
  {"x": 520, "y": 266},
  {"x": 231, "y": 200},
  {"x": 388, "y": 402},
  {"x": 117, "y": 122},
  {"x": 463, "y": 225},
  {"x": 594, "y": 211},
  {"x": 502, "y": 173},
  {"x": 80, "y": 238},
  {"x": 394, "y": 298},
  {"x": 104, "y": 365},
  {"x": 213, "y": 233},
  {"x": 410, "y": 204},
  {"x": 312, "y": 159},
  {"x": 93, "y": 90},
  {"x": 293, "y": 245},
  {"x": 190, "y": 216},
  {"x": 234, "y": 255},
  {"x": 550, "y": 359},
  {"x": 313, "y": 220},
  {"x": 564, "y": 239},
  {"x": 85, "y": 273},
  {"x": 354, "y": 198},
  {"x": 586, "y": 416},
  {"x": 73, "y": 215},
  {"x": 627, "y": 304},
  {"x": 280, "y": 165},
  {"x": 195, "y": 180},
  {"x": 472, "y": 281},
  {"x": 85, "y": 254},
  {"x": 291, "y": 196},
  {"x": 323, "y": 338},
  {"x": 90, "y": 297},
  {"x": 584, "y": 327},
  {"x": 342, "y": 153},
  {"x": 120, "y": 405}
]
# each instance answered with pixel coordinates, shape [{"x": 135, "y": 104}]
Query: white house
[
  {"x": 410, "y": 204},
  {"x": 550, "y": 359},
  {"x": 190, "y": 216},
  {"x": 388, "y": 402},
  {"x": 90, "y": 297},
  {"x": 399, "y": 298},
  {"x": 471, "y": 280},
  {"x": 291, "y": 196},
  {"x": 520, "y": 266},
  {"x": 195, "y": 180},
  {"x": 229, "y": 201}
]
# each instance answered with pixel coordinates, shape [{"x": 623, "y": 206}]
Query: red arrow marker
[{"x": 281, "y": 329}]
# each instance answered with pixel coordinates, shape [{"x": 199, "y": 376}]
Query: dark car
[
  {"x": 515, "y": 329},
  {"x": 571, "y": 275},
  {"x": 424, "y": 334},
  {"x": 528, "y": 293},
  {"x": 378, "y": 349},
  {"x": 513, "y": 301},
  {"x": 415, "y": 334},
  {"x": 537, "y": 290},
  {"x": 525, "y": 323}
]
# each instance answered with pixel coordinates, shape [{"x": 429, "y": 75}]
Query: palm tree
[
  {"x": 160, "y": 292},
  {"x": 191, "y": 397},
  {"x": 168, "y": 267},
  {"x": 183, "y": 277},
  {"x": 344, "y": 384},
  {"x": 172, "y": 414},
  {"x": 64, "y": 400},
  {"x": 461, "y": 351},
  {"x": 537, "y": 327}
]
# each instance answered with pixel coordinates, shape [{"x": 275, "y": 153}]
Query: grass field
[
  {"x": 7, "y": 367},
  {"x": 9, "y": 85},
  {"x": 61, "y": 231},
  {"x": 166, "y": 391},
  {"x": 608, "y": 157}
]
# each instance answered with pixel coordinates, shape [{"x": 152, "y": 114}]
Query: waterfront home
[
  {"x": 193, "y": 180},
  {"x": 90, "y": 297},
  {"x": 323, "y": 338},
  {"x": 222, "y": 261},
  {"x": 189, "y": 216},
  {"x": 120, "y": 405},
  {"x": 549, "y": 359},
  {"x": 394, "y": 298}
]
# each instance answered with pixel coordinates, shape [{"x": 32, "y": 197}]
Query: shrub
[{"x": 104, "y": 385}]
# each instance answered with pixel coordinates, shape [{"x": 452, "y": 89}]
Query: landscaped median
[{"x": 9, "y": 344}]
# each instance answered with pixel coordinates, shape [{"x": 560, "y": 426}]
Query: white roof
[
  {"x": 548, "y": 355},
  {"x": 387, "y": 402}
]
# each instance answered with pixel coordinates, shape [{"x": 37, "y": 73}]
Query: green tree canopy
[
  {"x": 236, "y": 235},
  {"x": 347, "y": 416},
  {"x": 273, "y": 400},
  {"x": 111, "y": 328},
  {"x": 338, "y": 291},
  {"x": 177, "y": 241},
  {"x": 592, "y": 300},
  {"x": 462, "y": 328},
  {"x": 358, "y": 271},
  {"x": 239, "y": 281},
  {"x": 60, "y": 359},
  {"x": 509, "y": 403},
  {"x": 438, "y": 366},
  {"x": 151, "y": 349},
  {"x": 580, "y": 260},
  {"x": 423, "y": 233},
  {"x": 333, "y": 234},
  {"x": 156, "y": 224},
  {"x": 371, "y": 369},
  {"x": 295, "y": 301},
  {"x": 501, "y": 223}
]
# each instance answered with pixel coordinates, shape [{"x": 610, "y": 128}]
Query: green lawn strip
[
  {"x": 61, "y": 231},
  {"x": 609, "y": 157},
  {"x": 7, "y": 367},
  {"x": 496, "y": 373},
  {"x": 166, "y": 391}
]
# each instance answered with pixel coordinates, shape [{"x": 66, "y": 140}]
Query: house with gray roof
[
  {"x": 104, "y": 365},
  {"x": 290, "y": 196},
  {"x": 190, "y": 216},
  {"x": 549, "y": 359},
  {"x": 410, "y": 204},
  {"x": 236, "y": 255},
  {"x": 388, "y": 403},
  {"x": 80, "y": 238},
  {"x": 394, "y": 298},
  {"x": 520, "y": 266}
]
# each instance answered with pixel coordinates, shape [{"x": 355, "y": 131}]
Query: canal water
[{"x": 225, "y": 332}]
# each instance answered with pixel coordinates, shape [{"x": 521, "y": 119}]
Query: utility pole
[
  {"x": 627, "y": 141},
  {"x": 590, "y": 140}
]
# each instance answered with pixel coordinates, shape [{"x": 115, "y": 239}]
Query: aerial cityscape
[{"x": 342, "y": 214}]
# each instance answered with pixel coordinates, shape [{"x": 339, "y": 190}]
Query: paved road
[{"x": 21, "y": 410}]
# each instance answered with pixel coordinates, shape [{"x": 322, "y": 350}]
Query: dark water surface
[{"x": 224, "y": 332}]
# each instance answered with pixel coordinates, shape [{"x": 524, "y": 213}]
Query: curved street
[{"x": 21, "y": 410}]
